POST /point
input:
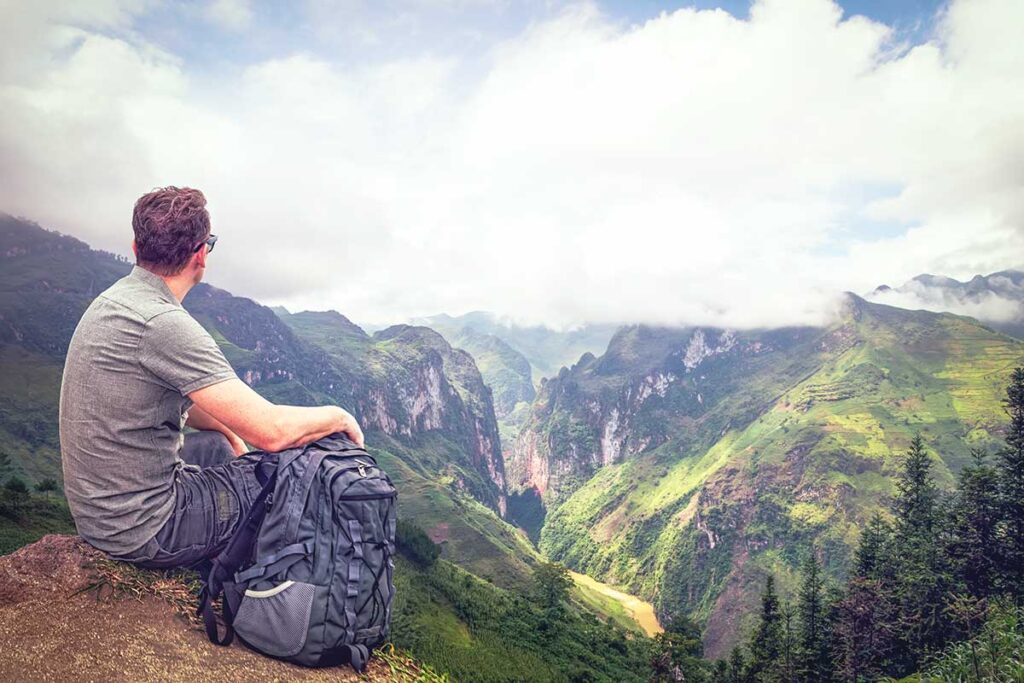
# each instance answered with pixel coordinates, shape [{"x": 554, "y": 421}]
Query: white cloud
[
  {"x": 1001, "y": 303},
  {"x": 696, "y": 168},
  {"x": 233, "y": 15}
]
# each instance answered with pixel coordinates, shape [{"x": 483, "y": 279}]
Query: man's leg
[
  {"x": 206, "y": 449},
  {"x": 209, "y": 504}
]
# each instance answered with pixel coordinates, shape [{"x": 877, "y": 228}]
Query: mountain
[
  {"x": 996, "y": 299},
  {"x": 547, "y": 350},
  {"x": 505, "y": 370},
  {"x": 687, "y": 464}
]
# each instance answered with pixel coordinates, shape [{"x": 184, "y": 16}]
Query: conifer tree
[
  {"x": 766, "y": 646},
  {"x": 919, "y": 585},
  {"x": 871, "y": 558},
  {"x": 1011, "y": 491},
  {"x": 974, "y": 519},
  {"x": 789, "y": 643},
  {"x": 737, "y": 666},
  {"x": 812, "y": 661},
  {"x": 915, "y": 506},
  {"x": 866, "y": 614}
]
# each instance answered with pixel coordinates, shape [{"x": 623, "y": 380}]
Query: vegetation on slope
[
  {"x": 477, "y": 632},
  {"x": 783, "y": 449},
  {"x": 937, "y": 584}
]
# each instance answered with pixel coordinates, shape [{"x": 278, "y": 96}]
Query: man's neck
[{"x": 179, "y": 284}]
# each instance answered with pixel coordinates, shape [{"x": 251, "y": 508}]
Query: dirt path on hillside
[
  {"x": 641, "y": 612},
  {"x": 48, "y": 633}
]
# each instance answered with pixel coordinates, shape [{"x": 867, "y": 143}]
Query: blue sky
[
  {"x": 556, "y": 162},
  {"x": 365, "y": 31}
]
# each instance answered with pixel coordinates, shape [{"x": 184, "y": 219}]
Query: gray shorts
[{"x": 212, "y": 494}]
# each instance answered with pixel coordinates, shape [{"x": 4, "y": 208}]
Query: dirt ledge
[{"x": 53, "y": 630}]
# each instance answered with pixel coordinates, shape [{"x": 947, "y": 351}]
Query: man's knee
[{"x": 207, "y": 448}]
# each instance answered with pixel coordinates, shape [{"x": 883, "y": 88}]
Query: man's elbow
[{"x": 273, "y": 437}]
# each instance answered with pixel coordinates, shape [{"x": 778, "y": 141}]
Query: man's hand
[
  {"x": 237, "y": 444},
  {"x": 351, "y": 428}
]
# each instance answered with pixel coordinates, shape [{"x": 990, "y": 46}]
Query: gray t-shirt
[{"x": 133, "y": 359}]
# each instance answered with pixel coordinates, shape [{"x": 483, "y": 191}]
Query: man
[{"x": 139, "y": 369}]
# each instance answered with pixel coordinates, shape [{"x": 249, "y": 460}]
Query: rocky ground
[{"x": 68, "y": 614}]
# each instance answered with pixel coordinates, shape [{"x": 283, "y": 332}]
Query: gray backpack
[{"x": 307, "y": 577}]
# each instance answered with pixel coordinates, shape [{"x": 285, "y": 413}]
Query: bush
[
  {"x": 414, "y": 543},
  {"x": 996, "y": 654}
]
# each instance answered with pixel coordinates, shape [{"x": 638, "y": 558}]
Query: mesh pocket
[{"x": 276, "y": 620}]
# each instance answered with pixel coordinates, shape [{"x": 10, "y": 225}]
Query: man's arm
[
  {"x": 267, "y": 426},
  {"x": 200, "y": 419}
]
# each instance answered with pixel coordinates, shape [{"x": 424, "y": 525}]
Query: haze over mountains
[
  {"x": 996, "y": 299},
  {"x": 682, "y": 463}
]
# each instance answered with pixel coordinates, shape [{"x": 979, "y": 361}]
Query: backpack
[{"x": 307, "y": 576}]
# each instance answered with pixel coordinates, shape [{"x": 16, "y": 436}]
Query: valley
[
  {"x": 670, "y": 469},
  {"x": 635, "y": 609}
]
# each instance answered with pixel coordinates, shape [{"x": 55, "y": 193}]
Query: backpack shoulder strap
[{"x": 297, "y": 500}]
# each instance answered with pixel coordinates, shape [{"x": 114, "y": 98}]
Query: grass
[
  {"x": 178, "y": 588},
  {"x": 37, "y": 516}
]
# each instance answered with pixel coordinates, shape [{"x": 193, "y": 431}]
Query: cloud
[
  {"x": 1002, "y": 302},
  {"x": 695, "y": 168},
  {"x": 233, "y": 15}
]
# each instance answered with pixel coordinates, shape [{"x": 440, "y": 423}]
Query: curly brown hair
[{"x": 169, "y": 222}]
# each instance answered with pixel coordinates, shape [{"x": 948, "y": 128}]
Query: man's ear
[
  {"x": 135, "y": 250},
  {"x": 201, "y": 257}
]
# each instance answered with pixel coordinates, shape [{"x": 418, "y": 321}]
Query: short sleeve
[{"x": 179, "y": 352}]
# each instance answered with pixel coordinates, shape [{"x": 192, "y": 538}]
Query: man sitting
[{"x": 139, "y": 369}]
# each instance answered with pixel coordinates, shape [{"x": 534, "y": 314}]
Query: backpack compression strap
[
  {"x": 356, "y": 655},
  {"x": 229, "y": 561}
]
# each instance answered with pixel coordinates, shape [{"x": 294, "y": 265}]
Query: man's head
[{"x": 169, "y": 224}]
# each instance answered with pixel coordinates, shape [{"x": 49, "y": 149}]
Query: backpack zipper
[{"x": 367, "y": 496}]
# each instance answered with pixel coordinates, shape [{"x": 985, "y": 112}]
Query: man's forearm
[
  {"x": 300, "y": 425},
  {"x": 271, "y": 427},
  {"x": 200, "y": 419}
]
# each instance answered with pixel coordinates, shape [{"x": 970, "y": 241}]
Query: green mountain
[
  {"x": 547, "y": 350},
  {"x": 687, "y": 464}
]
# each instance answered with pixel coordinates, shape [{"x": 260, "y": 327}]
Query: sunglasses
[{"x": 209, "y": 241}]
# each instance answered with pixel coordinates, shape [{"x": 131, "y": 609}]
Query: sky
[{"x": 710, "y": 163}]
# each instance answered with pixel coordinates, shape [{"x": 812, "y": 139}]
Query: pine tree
[
  {"x": 1011, "y": 492},
  {"x": 871, "y": 558},
  {"x": 916, "y": 496},
  {"x": 720, "y": 672},
  {"x": 866, "y": 615},
  {"x": 789, "y": 643},
  {"x": 737, "y": 666},
  {"x": 974, "y": 519},
  {"x": 766, "y": 646},
  {"x": 919, "y": 582},
  {"x": 812, "y": 659}
]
